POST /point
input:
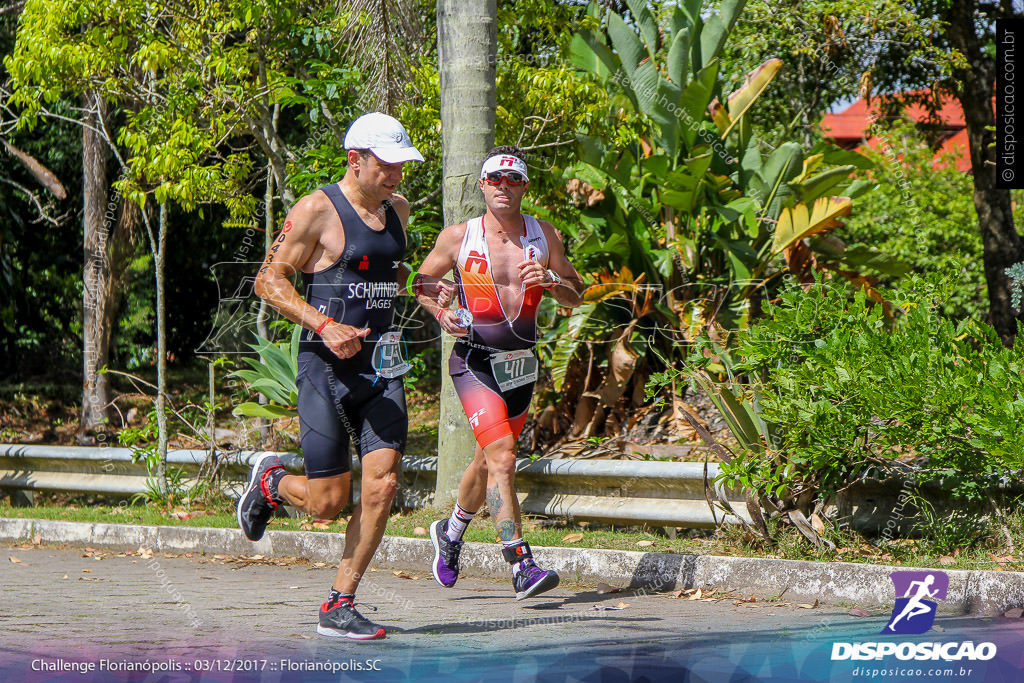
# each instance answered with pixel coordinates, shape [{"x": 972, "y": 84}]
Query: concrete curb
[{"x": 975, "y": 592}]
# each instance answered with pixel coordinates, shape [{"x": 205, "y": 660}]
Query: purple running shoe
[
  {"x": 446, "y": 554},
  {"x": 532, "y": 580}
]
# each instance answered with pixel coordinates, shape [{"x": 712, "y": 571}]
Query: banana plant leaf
[
  {"x": 799, "y": 222},
  {"x": 268, "y": 410},
  {"x": 743, "y": 98},
  {"x": 568, "y": 343}
]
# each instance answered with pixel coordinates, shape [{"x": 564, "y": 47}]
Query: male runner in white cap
[{"x": 347, "y": 239}]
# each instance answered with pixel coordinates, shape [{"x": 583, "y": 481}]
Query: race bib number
[
  {"x": 513, "y": 369},
  {"x": 387, "y": 356}
]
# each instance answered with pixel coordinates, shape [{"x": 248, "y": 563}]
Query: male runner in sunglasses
[{"x": 504, "y": 261}]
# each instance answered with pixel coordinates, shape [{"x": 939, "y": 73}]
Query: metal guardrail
[
  {"x": 111, "y": 471},
  {"x": 610, "y": 491}
]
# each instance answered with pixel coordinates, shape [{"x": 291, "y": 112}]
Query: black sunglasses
[{"x": 513, "y": 177}]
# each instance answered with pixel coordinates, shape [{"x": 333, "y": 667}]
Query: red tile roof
[{"x": 848, "y": 127}]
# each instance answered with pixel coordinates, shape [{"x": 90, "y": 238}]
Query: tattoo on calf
[
  {"x": 506, "y": 529},
  {"x": 494, "y": 501}
]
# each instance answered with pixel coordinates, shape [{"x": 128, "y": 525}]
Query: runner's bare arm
[
  {"x": 439, "y": 262},
  {"x": 570, "y": 291},
  {"x": 438, "y": 289},
  {"x": 295, "y": 246}
]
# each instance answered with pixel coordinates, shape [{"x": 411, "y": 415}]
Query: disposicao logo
[{"x": 914, "y": 614}]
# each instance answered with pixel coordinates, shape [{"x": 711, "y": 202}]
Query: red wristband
[
  {"x": 439, "y": 312},
  {"x": 324, "y": 324}
]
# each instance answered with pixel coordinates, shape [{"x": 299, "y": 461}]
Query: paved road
[{"x": 224, "y": 618}]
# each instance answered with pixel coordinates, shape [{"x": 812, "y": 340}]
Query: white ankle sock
[{"x": 458, "y": 522}]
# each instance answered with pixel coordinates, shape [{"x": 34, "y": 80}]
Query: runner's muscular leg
[
  {"x": 501, "y": 493},
  {"x": 321, "y": 498},
  {"x": 473, "y": 485},
  {"x": 369, "y": 519}
]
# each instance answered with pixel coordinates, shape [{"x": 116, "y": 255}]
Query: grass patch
[{"x": 987, "y": 551}]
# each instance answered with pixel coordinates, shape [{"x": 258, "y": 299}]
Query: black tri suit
[{"x": 343, "y": 399}]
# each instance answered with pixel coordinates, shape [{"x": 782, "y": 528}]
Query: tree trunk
[
  {"x": 97, "y": 292},
  {"x": 262, "y": 423},
  {"x": 161, "y": 353},
  {"x": 467, "y": 50},
  {"x": 1001, "y": 244}
]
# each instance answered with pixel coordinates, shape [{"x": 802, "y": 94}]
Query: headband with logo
[{"x": 504, "y": 162}]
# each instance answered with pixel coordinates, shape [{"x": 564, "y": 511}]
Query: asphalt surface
[{"x": 82, "y": 615}]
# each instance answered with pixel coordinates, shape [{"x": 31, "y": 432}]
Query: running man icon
[{"x": 914, "y": 609}]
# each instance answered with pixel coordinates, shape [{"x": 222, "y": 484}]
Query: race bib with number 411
[
  {"x": 387, "y": 356},
  {"x": 513, "y": 369}
]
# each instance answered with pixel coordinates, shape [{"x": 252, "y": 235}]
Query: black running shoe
[
  {"x": 446, "y": 554},
  {"x": 342, "y": 620},
  {"x": 256, "y": 505},
  {"x": 532, "y": 580}
]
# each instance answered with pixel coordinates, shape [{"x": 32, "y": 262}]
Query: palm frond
[{"x": 382, "y": 39}]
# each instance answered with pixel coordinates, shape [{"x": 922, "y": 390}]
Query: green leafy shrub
[
  {"x": 142, "y": 441},
  {"x": 924, "y": 216},
  {"x": 851, "y": 393},
  {"x": 273, "y": 374}
]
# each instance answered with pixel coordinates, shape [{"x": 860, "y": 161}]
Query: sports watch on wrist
[{"x": 555, "y": 279}]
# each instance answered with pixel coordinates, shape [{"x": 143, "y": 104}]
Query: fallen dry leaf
[
  {"x": 1014, "y": 613},
  {"x": 807, "y": 605},
  {"x": 220, "y": 557},
  {"x": 817, "y": 524},
  {"x": 86, "y": 571},
  {"x": 65, "y": 576},
  {"x": 256, "y": 557},
  {"x": 859, "y": 612},
  {"x": 697, "y": 595},
  {"x": 37, "y": 539},
  {"x": 947, "y": 560},
  {"x": 573, "y": 538},
  {"x": 644, "y": 544},
  {"x": 419, "y": 531},
  {"x": 321, "y": 525},
  {"x": 145, "y": 553},
  {"x": 622, "y": 605},
  {"x": 607, "y": 588},
  {"x": 402, "y": 575},
  {"x": 16, "y": 560}
]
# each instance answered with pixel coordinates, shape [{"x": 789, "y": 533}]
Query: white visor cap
[
  {"x": 504, "y": 162},
  {"x": 384, "y": 136}
]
